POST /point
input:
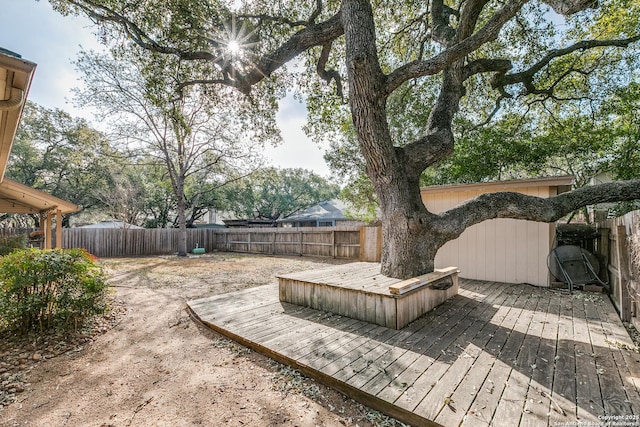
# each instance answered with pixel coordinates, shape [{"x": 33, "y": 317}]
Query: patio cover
[{"x": 19, "y": 198}]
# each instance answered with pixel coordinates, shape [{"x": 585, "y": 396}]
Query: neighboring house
[
  {"x": 324, "y": 214},
  {"x": 112, "y": 224},
  {"x": 501, "y": 250},
  {"x": 15, "y": 79}
]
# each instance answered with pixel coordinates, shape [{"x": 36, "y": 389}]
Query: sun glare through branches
[
  {"x": 235, "y": 42},
  {"x": 233, "y": 47}
]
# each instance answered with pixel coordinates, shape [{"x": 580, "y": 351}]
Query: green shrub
[
  {"x": 49, "y": 289},
  {"x": 9, "y": 244}
]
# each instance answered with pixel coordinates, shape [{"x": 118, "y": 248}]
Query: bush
[
  {"x": 9, "y": 244},
  {"x": 49, "y": 289}
]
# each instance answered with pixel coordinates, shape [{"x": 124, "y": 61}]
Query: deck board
[{"x": 495, "y": 354}]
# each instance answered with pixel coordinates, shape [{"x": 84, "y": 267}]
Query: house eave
[{"x": 16, "y": 75}]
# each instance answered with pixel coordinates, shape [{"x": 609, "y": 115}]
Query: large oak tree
[{"x": 465, "y": 49}]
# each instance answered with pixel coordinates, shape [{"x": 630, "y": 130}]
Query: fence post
[
  {"x": 301, "y": 238},
  {"x": 603, "y": 247},
  {"x": 273, "y": 244},
  {"x": 623, "y": 273},
  {"x": 370, "y": 244},
  {"x": 333, "y": 243}
]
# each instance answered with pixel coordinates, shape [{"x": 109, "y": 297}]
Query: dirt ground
[{"x": 148, "y": 364}]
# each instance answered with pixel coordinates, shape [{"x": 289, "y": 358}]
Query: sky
[{"x": 33, "y": 30}]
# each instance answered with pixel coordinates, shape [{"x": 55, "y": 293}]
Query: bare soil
[{"x": 147, "y": 364}]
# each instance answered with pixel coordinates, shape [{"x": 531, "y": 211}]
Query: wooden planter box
[{"x": 359, "y": 291}]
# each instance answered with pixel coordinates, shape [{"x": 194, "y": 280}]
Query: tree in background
[
  {"x": 273, "y": 193},
  {"x": 195, "y": 137},
  {"x": 583, "y": 144},
  {"x": 61, "y": 155},
  {"x": 125, "y": 198},
  {"x": 623, "y": 121},
  {"x": 478, "y": 56}
]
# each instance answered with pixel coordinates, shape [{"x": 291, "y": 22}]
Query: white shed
[{"x": 501, "y": 250}]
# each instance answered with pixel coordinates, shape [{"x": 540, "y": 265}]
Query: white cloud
[{"x": 297, "y": 151}]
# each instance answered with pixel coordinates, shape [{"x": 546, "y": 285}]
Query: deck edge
[{"x": 354, "y": 393}]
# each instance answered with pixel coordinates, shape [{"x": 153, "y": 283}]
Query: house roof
[
  {"x": 563, "y": 182},
  {"x": 327, "y": 210},
  {"x": 15, "y": 79},
  {"x": 19, "y": 198}
]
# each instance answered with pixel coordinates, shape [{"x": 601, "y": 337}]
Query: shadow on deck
[{"x": 496, "y": 354}]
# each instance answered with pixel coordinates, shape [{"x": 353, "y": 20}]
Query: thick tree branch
[
  {"x": 426, "y": 151},
  {"x": 438, "y": 143},
  {"x": 439, "y": 140},
  {"x": 328, "y": 75},
  {"x": 521, "y": 206},
  {"x": 102, "y": 14},
  {"x": 569, "y": 7},
  {"x": 457, "y": 51},
  {"x": 527, "y": 76},
  {"x": 311, "y": 35},
  {"x": 441, "y": 30},
  {"x": 486, "y": 66},
  {"x": 469, "y": 15}
]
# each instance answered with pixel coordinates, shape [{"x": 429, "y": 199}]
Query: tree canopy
[
  {"x": 61, "y": 155},
  {"x": 273, "y": 193},
  {"x": 408, "y": 71}
]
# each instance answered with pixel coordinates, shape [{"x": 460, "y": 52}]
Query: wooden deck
[{"x": 496, "y": 354}]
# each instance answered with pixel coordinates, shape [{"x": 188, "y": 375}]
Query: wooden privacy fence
[
  {"x": 623, "y": 271},
  {"x": 338, "y": 242}
]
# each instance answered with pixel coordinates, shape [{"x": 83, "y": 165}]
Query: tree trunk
[
  {"x": 411, "y": 235},
  {"x": 408, "y": 249},
  {"x": 410, "y": 241},
  {"x": 182, "y": 235},
  {"x": 182, "y": 220}
]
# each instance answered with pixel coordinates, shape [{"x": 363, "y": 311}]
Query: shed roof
[{"x": 562, "y": 182}]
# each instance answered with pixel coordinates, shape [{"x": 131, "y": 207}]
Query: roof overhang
[
  {"x": 16, "y": 75},
  {"x": 19, "y": 198},
  {"x": 563, "y": 183}
]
